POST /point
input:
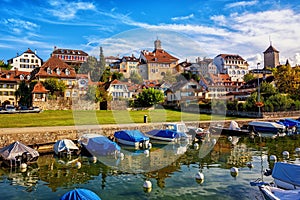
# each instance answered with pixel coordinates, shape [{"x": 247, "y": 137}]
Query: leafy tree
[
  {"x": 117, "y": 75},
  {"x": 169, "y": 77},
  {"x": 105, "y": 76},
  {"x": 23, "y": 93},
  {"x": 54, "y": 85},
  {"x": 249, "y": 77},
  {"x": 149, "y": 97},
  {"x": 5, "y": 66},
  {"x": 287, "y": 79},
  {"x": 279, "y": 102},
  {"x": 97, "y": 94},
  {"x": 136, "y": 78},
  {"x": 267, "y": 89},
  {"x": 90, "y": 67}
]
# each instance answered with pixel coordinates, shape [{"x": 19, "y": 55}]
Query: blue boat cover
[
  {"x": 131, "y": 135},
  {"x": 287, "y": 172},
  {"x": 288, "y": 122},
  {"x": 80, "y": 194},
  {"x": 102, "y": 145},
  {"x": 165, "y": 133}
]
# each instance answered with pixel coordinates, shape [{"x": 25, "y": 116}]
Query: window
[
  {"x": 67, "y": 72},
  {"x": 49, "y": 71},
  {"x": 58, "y": 71}
]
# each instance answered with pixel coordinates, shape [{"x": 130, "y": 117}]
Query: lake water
[{"x": 170, "y": 168}]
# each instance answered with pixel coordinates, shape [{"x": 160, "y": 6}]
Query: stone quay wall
[{"x": 43, "y": 136}]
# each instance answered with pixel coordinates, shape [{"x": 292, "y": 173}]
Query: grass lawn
[{"x": 70, "y": 117}]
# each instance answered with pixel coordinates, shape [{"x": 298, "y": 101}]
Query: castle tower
[
  {"x": 271, "y": 57},
  {"x": 157, "y": 44}
]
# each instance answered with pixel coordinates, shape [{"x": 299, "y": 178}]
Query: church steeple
[{"x": 157, "y": 44}]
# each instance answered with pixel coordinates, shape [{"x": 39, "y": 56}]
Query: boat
[
  {"x": 289, "y": 123},
  {"x": 275, "y": 193},
  {"x": 166, "y": 135},
  {"x": 132, "y": 138},
  {"x": 65, "y": 147},
  {"x": 98, "y": 145},
  {"x": 80, "y": 194},
  {"x": 266, "y": 127},
  {"x": 17, "y": 153},
  {"x": 232, "y": 130},
  {"x": 180, "y": 127},
  {"x": 286, "y": 175}
]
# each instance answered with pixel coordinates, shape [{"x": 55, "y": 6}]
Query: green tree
[
  {"x": 267, "y": 89},
  {"x": 169, "y": 77},
  {"x": 91, "y": 67},
  {"x": 97, "y": 94},
  {"x": 5, "y": 66},
  {"x": 55, "y": 86},
  {"x": 149, "y": 97},
  {"x": 249, "y": 77},
  {"x": 106, "y": 74},
  {"x": 136, "y": 78},
  {"x": 23, "y": 94},
  {"x": 117, "y": 75}
]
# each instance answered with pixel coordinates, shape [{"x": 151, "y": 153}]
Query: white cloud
[
  {"x": 18, "y": 26},
  {"x": 67, "y": 10},
  {"x": 219, "y": 19},
  {"x": 183, "y": 17},
  {"x": 241, "y": 4}
]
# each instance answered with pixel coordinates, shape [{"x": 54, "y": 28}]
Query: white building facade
[{"x": 25, "y": 62}]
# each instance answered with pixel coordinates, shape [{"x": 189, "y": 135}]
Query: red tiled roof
[
  {"x": 39, "y": 88},
  {"x": 29, "y": 51},
  {"x": 159, "y": 56},
  {"x": 54, "y": 63},
  {"x": 12, "y": 75}
]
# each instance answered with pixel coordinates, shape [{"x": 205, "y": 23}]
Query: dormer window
[
  {"x": 67, "y": 72},
  {"x": 58, "y": 71},
  {"x": 21, "y": 77},
  {"x": 49, "y": 71}
]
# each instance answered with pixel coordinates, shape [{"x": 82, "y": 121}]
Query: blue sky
[{"x": 187, "y": 29}]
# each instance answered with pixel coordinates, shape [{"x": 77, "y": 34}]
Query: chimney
[{"x": 35, "y": 51}]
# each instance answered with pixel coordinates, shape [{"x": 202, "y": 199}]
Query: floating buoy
[
  {"x": 149, "y": 146},
  {"x": 250, "y": 165},
  {"x": 286, "y": 154},
  {"x": 229, "y": 138},
  {"x": 121, "y": 155},
  {"x": 196, "y": 146},
  {"x": 147, "y": 186},
  {"x": 146, "y": 152},
  {"x": 94, "y": 159},
  {"x": 78, "y": 165},
  {"x": 273, "y": 158},
  {"x": 23, "y": 166},
  {"x": 297, "y": 150},
  {"x": 234, "y": 171}
]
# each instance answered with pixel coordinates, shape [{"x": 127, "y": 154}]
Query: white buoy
[
  {"x": 229, "y": 138},
  {"x": 149, "y": 145},
  {"x": 147, "y": 184},
  {"x": 94, "y": 159},
  {"x": 234, "y": 171},
  {"x": 250, "y": 165},
  {"x": 199, "y": 177},
  {"x": 196, "y": 146},
  {"x": 297, "y": 150},
  {"x": 23, "y": 166},
  {"x": 146, "y": 152},
  {"x": 285, "y": 153},
  {"x": 78, "y": 165},
  {"x": 273, "y": 158},
  {"x": 120, "y": 155}
]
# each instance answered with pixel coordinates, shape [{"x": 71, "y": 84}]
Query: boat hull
[{"x": 141, "y": 144}]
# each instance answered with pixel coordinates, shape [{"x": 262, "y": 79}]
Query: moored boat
[
  {"x": 286, "y": 175},
  {"x": 275, "y": 193},
  {"x": 99, "y": 145},
  {"x": 266, "y": 127},
  {"x": 65, "y": 147},
  {"x": 232, "y": 130},
  {"x": 166, "y": 135},
  {"x": 17, "y": 153},
  {"x": 132, "y": 138}
]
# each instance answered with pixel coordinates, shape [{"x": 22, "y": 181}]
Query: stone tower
[
  {"x": 157, "y": 44},
  {"x": 271, "y": 57}
]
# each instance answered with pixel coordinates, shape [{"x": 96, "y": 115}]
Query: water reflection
[{"x": 166, "y": 166}]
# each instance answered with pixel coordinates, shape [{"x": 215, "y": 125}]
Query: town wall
[{"x": 43, "y": 136}]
